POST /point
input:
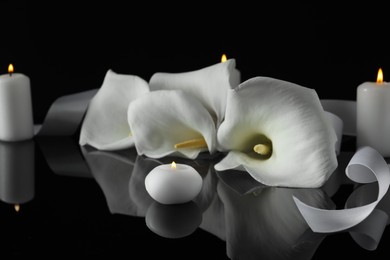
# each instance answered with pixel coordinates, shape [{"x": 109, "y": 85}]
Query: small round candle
[
  {"x": 16, "y": 118},
  {"x": 173, "y": 183},
  {"x": 373, "y": 115}
]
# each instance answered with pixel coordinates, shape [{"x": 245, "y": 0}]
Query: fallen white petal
[
  {"x": 209, "y": 85},
  {"x": 164, "y": 118},
  {"x": 366, "y": 166},
  {"x": 291, "y": 116},
  {"x": 105, "y": 124}
]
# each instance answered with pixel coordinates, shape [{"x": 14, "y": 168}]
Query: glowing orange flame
[
  {"x": 379, "y": 78},
  {"x": 10, "y": 69},
  {"x": 223, "y": 58}
]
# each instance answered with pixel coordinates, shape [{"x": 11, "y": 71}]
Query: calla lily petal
[
  {"x": 105, "y": 124},
  {"x": 209, "y": 85},
  {"x": 290, "y": 121},
  {"x": 164, "y": 118}
]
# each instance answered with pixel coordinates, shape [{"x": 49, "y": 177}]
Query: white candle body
[
  {"x": 373, "y": 116},
  {"x": 173, "y": 186},
  {"x": 16, "y": 118}
]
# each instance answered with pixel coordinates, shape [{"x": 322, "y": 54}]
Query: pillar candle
[
  {"x": 16, "y": 118},
  {"x": 373, "y": 115}
]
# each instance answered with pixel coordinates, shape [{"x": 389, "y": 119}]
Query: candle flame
[
  {"x": 223, "y": 58},
  {"x": 17, "y": 207},
  {"x": 379, "y": 78},
  {"x": 10, "y": 69},
  {"x": 173, "y": 165}
]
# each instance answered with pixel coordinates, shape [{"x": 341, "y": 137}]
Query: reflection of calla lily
[
  {"x": 171, "y": 123},
  {"x": 136, "y": 186},
  {"x": 267, "y": 225},
  {"x": 213, "y": 220},
  {"x": 113, "y": 171},
  {"x": 209, "y": 85},
  {"x": 105, "y": 126},
  {"x": 277, "y": 131}
]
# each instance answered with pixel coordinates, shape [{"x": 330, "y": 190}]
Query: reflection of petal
[
  {"x": 206, "y": 195},
  {"x": 112, "y": 171},
  {"x": 105, "y": 124},
  {"x": 267, "y": 225},
  {"x": 213, "y": 220},
  {"x": 291, "y": 117},
  {"x": 162, "y": 119},
  {"x": 136, "y": 185},
  {"x": 239, "y": 181},
  {"x": 209, "y": 85}
]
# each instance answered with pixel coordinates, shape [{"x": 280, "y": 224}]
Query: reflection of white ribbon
[
  {"x": 366, "y": 166},
  {"x": 369, "y": 232}
]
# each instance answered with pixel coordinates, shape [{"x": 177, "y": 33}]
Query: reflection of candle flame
[
  {"x": 224, "y": 58},
  {"x": 379, "y": 78},
  {"x": 173, "y": 165},
  {"x": 17, "y": 207},
  {"x": 10, "y": 69}
]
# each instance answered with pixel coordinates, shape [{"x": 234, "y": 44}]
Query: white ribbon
[
  {"x": 366, "y": 166},
  {"x": 345, "y": 110}
]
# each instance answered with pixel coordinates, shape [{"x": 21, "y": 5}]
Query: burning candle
[
  {"x": 373, "y": 115},
  {"x": 16, "y": 117},
  {"x": 173, "y": 183}
]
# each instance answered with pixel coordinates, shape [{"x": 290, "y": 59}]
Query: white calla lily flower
[
  {"x": 105, "y": 124},
  {"x": 277, "y": 132},
  {"x": 171, "y": 122},
  {"x": 209, "y": 85}
]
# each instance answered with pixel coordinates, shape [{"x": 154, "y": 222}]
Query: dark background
[{"x": 66, "y": 47}]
